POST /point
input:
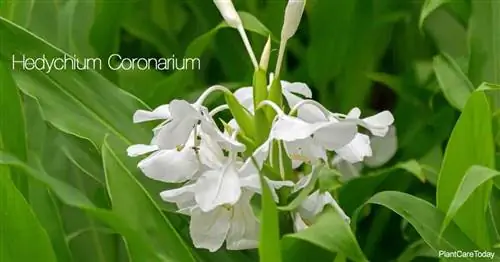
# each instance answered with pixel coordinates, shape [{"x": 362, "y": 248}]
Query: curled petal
[
  {"x": 383, "y": 148},
  {"x": 218, "y": 187},
  {"x": 170, "y": 166},
  {"x": 140, "y": 149},
  {"x": 183, "y": 197},
  {"x": 379, "y": 123},
  {"x": 336, "y": 134},
  {"x": 356, "y": 150},
  {"x": 161, "y": 112},
  {"x": 297, "y": 88},
  {"x": 244, "y": 230},
  {"x": 208, "y": 230}
]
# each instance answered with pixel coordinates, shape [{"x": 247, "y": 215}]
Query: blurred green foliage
[{"x": 419, "y": 59}]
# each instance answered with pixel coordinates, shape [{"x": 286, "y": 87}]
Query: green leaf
[
  {"x": 427, "y": 8},
  {"x": 83, "y": 96},
  {"x": 425, "y": 218},
  {"x": 241, "y": 115},
  {"x": 417, "y": 249},
  {"x": 453, "y": 82},
  {"x": 12, "y": 124},
  {"x": 269, "y": 244},
  {"x": 471, "y": 143},
  {"x": 474, "y": 178},
  {"x": 22, "y": 237},
  {"x": 332, "y": 233},
  {"x": 138, "y": 246},
  {"x": 128, "y": 194},
  {"x": 484, "y": 42}
]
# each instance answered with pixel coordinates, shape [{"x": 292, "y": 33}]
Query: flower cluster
[{"x": 220, "y": 170}]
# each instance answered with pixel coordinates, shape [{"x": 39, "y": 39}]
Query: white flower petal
[
  {"x": 356, "y": 150},
  {"x": 305, "y": 150},
  {"x": 218, "y": 187},
  {"x": 244, "y": 230},
  {"x": 297, "y": 88},
  {"x": 289, "y": 128},
  {"x": 210, "y": 152},
  {"x": 244, "y": 95},
  {"x": 355, "y": 113},
  {"x": 174, "y": 133},
  {"x": 140, "y": 149},
  {"x": 252, "y": 183},
  {"x": 227, "y": 142},
  {"x": 384, "y": 148},
  {"x": 335, "y": 135},
  {"x": 161, "y": 112},
  {"x": 183, "y": 197},
  {"x": 170, "y": 166},
  {"x": 327, "y": 199},
  {"x": 302, "y": 183},
  {"x": 260, "y": 155},
  {"x": 298, "y": 223},
  {"x": 311, "y": 206},
  {"x": 208, "y": 230}
]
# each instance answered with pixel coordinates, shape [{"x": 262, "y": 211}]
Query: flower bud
[
  {"x": 266, "y": 53},
  {"x": 228, "y": 12},
  {"x": 293, "y": 14}
]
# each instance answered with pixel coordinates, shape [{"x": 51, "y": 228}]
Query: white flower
[
  {"x": 356, "y": 150},
  {"x": 377, "y": 124},
  {"x": 306, "y": 142},
  {"x": 236, "y": 224},
  {"x": 161, "y": 112},
  {"x": 167, "y": 165},
  {"x": 312, "y": 206}
]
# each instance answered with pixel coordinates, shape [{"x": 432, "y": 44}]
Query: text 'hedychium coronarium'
[{"x": 277, "y": 131}]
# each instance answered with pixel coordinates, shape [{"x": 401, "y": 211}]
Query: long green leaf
[
  {"x": 484, "y": 42},
  {"x": 137, "y": 244},
  {"x": 474, "y": 178},
  {"x": 453, "y": 82},
  {"x": 332, "y": 233},
  {"x": 12, "y": 124},
  {"x": 92, "y": 106},
  {"x": 426, "y": 219},
  {"x": 131, "y": 201},
  {"x": 22, "y": 237},
  {"x": 269, "y": 244},
  {"x": 471, "y": 143}
]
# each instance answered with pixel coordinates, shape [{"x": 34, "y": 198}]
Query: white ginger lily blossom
[
  {"x": 313, "y": 205},
  {"x": 219, "y": 203}
]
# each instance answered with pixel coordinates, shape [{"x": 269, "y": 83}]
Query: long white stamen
[
  {"x": 325, "y": 111},
  {"x": 218, "y": 109},
  {"x": 210, "y": 90},
  {"x": 248, "y": 47},
  {"x": 273, "y": 105}
]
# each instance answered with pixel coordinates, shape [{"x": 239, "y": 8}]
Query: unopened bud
[
  {"x": 293, "y": 15},
  {"x": 266, "y": 53},
  {"x": 228, "y": 12}
]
